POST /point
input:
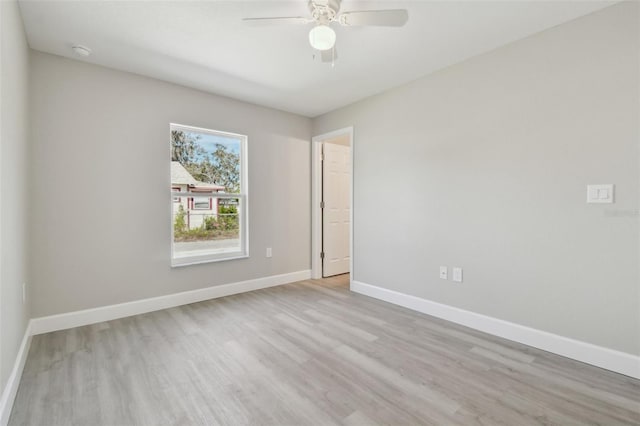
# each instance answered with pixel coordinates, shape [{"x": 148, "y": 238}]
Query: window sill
[{"x": 198, "y": 260}]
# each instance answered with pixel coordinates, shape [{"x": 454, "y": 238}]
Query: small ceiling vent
[{"x": 81, "y": 50}]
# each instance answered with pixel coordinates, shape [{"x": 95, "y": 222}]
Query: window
[
  {"x": 176, "y": 199},
  {"x": 208, "y": 195},
  {"x": 200, "y": 203}
]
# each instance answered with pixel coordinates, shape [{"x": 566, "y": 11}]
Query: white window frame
[
  {"x": 202, "y": 208},
  {"x": 243, "y": 207}
]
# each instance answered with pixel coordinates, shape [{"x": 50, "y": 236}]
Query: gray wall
[
  {"x": 484, "y": 165},
  {"x": 101, "y": 219},
  {"x": 14, "y": 71}
]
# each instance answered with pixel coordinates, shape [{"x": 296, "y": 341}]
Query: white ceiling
[{"x": 204, "y": 44}]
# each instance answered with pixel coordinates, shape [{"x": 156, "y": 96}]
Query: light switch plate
[
  {"x": 443, "y": 272},
  {"x": 457, "y": 274},
  {"x": 600, "y": 194},
  {"x": 269, "y": 252}
]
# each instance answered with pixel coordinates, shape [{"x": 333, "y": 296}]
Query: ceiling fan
[{"x": 323, "y": 12}]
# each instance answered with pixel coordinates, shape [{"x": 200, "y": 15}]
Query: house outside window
[{"x": 209, "y": 195}]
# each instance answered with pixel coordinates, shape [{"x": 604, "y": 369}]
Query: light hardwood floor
[{"x": 309, "y": 353}]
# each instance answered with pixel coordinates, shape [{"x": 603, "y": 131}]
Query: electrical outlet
[
  {"x": 269, "y": 252},
  {"x": 24, "y": 293},
  {"x": 443, "y": 272},
  {"x": 457, "y": 274}
]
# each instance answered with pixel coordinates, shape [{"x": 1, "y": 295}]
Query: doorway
[{"x": 332, "y": 198}]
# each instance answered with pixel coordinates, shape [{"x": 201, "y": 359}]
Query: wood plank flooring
[{"x": 309, "y": 353}]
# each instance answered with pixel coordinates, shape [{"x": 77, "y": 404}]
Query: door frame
[{"x": 316, "y": 197}]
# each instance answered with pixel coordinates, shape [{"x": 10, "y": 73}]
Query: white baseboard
[
  {"x": 11, "y": 388},
  {"x": 111, "y": 312},
  {"x": 609, "y": 359}
]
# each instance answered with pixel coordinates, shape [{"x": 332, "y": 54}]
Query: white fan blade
[
  {"x": 277, "y": 20},
  {"x": 329, "y": 55},
  {"x": 380, "y": 18}
]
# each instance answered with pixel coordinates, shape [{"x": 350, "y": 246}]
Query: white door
[{"x": 336, "y": 216}]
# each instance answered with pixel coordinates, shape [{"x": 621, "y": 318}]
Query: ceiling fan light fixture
[{"x": 322, "y": 37}]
